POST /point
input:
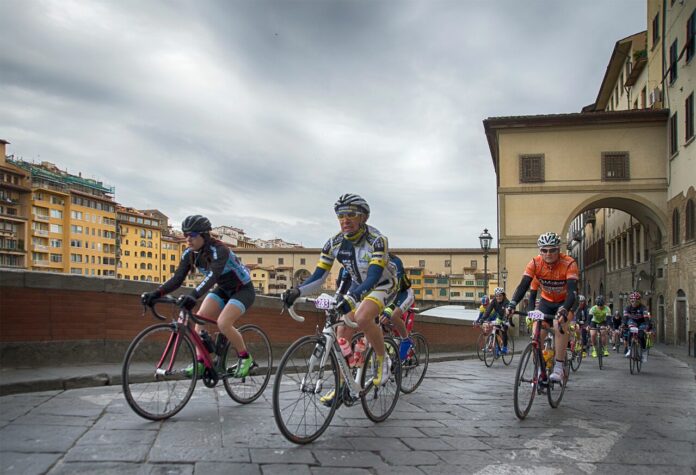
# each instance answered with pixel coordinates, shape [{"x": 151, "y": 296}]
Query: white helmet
[
  {"x": 350, "y": 201},
  {"x": 581, "y": 298},
  {"x": 549, "y": 240},
  {"x": 499, "y": 291}
]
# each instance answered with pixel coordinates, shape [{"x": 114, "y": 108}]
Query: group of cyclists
[{"x": 372, "y": 284}]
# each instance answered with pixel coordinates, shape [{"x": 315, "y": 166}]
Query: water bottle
[
  {"x": 207, "y": 341},
  {"x": 345, "y": 347},
  {"x": 549, "y": 362},
  {"x": 360, "y": 346},
  {"x": 220, "y": 342}
]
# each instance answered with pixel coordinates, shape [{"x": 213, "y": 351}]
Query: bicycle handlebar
[
  {"x": 350, "y": 323},
  {"x": 168, "y": 299}
]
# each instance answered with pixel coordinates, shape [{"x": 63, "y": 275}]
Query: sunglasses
[
  {"x": 192, "y": 235},
  {"x": 549, "y": 251},
  {"x": 348, "y": 214}
]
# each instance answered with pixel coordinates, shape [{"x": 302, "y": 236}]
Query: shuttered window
[
  {"x": 531, "y": 168},
  {"x": 615, "y": 166}
]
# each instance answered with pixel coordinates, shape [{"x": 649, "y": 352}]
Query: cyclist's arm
[
  {"x": 315, "y": 281},
  {"x": 378, "y": 261},
  {"x": 532, "y": 300},
  {"x": 178, "y": 278},
  {"x": 489, "y": 309},
  {"x": 344, "y": 282},
  {"x": 521, "y": 289},
  {"x": 570, "y": 296}
]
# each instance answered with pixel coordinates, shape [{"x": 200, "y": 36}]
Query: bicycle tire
[
  {"x": 489, "y": 349},
  {"x": 303, "y": 420},
  {"x": 510, "y": 355},
  {"x": 639, "y": 355},
  {"x": 480, "y": 342},
  {"x": 378, "y": 402},
  {"x": 527, "y": 375},
  {"x": 631, "y": 360},
  {"x": 414, "y": 367},
  {"x": 152, "y": 392},
  {"x": 248, "y": 389},
  {"x": 555, "y": 390}
]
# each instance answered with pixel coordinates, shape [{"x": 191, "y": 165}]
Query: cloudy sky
[{"x": 260, "y": 114}]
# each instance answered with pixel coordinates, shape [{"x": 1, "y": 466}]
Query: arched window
[
  {"x": 675, "y": 227},
  {"x": 142, "y": 254},
  {"x": 149, "y": 254},
  {"x": 690, "y": 223},
  {"x": 142, "y": 265},
  {"x": 149, "y": 267},
  {"x": 142, "y": 277}
]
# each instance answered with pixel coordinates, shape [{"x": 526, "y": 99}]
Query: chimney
[{"x": 3, "y": 151}]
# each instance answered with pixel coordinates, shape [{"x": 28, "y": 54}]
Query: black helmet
[
  {"x": 600, "y": 301},
  {"x": 196, "y": 224}
]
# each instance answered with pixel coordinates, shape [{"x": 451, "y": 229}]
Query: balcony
[
  {"x": 39, "y": 232},
  {"x": 40, "y": 217},
  {"x": 40, "y": 247},
  {"x": 40, "y": 262}
]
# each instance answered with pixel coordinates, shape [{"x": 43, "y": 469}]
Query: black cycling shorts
[{"x": 243, "y": 297}]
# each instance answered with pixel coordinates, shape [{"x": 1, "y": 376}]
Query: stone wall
[{"x": 54, "y": 319}]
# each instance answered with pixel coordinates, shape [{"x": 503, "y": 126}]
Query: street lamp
[
  {"x": 485, "y": 238},
  {"x": 504, "y": 275}
]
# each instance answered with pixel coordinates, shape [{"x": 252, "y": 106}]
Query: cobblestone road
[{"x": 460, "y": 421}]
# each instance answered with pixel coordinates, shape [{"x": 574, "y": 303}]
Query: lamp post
[
  {"x": 485, "y": 238},
  {"x": 504, "y": 275},
  {"x": 633, "y": 277}
]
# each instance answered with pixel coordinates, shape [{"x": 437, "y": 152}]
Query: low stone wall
[{"x": 51, "y": 319}]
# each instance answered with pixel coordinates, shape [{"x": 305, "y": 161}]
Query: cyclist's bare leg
[
  {"x": 603, "y": 334},
  {"x": 210, "y": 308},
  {"x": 344, "y": 331},
  {"x": 593, "y": 335},
  {"x": 229, "y": 316},
  {"x": 561, "y": 340},
  {"x": 365, "y": 317},
  {"x": 398, "y": 322}
]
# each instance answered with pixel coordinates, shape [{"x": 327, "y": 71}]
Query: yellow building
[
  {"x": 139, "y": 239},
  {"x": 15, "y": 195},
  {"x": 172, "y": 246},
  {"x": 72, "y": 222}
]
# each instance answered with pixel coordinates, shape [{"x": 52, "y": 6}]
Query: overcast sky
[{"x": 260, "y": 114}]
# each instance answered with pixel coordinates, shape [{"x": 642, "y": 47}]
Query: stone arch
[
  {"x": 300, "y": 276},
  {"x": 641, "y": 208}
]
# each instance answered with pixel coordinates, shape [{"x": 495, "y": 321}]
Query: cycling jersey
[
  {"x": 581, "y": 314},
  {"x": 616, "y": 322},
  {"x": 639, "y": 314},
  {"x": 220, "y": 266},
  {"x": 496, "y": 309},
  {"x": 600, "y": 314},
  {"x": 553, "y": 279}
]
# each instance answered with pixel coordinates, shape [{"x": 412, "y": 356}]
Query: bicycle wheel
[
  {"x": 576, "y": 359},
  {"x": 480, "y": 342},
  {"x": 415, "y": 365},
  {"x": 298, "y": 386},
  {"x": 638, "y": 354},
  {"x": 600, "y": 355},
  {"x": 248, "y": 389},
  {"x": 526, "y": 381},
  {"x": 378, "y": 401},
  {"x": 555, "y": 390},
  {"x": 632, "y": 359},
  {"x": 153, "y": 378},
  {"x": 489, "y": 349},
  {"x": 507, "y": 357}
]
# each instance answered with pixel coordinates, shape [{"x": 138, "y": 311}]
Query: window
[
  {"x": 74, "y": 270},
  {"x": 448, "y": 263},
  {"x": 675, "y": 227},
  {"x": 259, "y": 260},
  {"x": 76, "y": 214},
  {"x": 56, "y": 257},
  {"x": 75, "y": 229},
  {"x": 443, "y": 292},
  {"x": 75, "y": 243},
  {"x": 428, "y": 292},
  {"x": 673, "y": 57},
  {"x": 56, "y": 243},
  {"x": 416, "y": 291},
  {"x": 474, "y": 264},
  {"x": 480, "y": 283},
  {"x": 429, "y": 281},
  {"x": 56, "y": 228},
  {"x": 469, "y": 294},
  {"x": 690, "y": 223},
  {"x": 281, "y": 261},
  {"x": 689, "y": 113},
  {"x": 303, "y": 261},
  {"x": 656, "y": 29},
  {"x": 673, "y": 134},
  {"x": 469, "y": 283},
  {"x": 691, "y": 36},
  {"x": 76, "y": 258},
  {"x": 615, "y": 166},
  {"x": 421, "y": 263},
  {"x": 56, "y": 213},
  {"x": 455, "y": 294},
  {"x": 531, "y": 168}
]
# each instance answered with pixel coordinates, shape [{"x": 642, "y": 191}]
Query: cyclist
[
  {"x": 496, "y": 310},
  {"x": 581, "y": 318},
  {"x": 233, "y": 293},
  {"x": 616, "y": 322},
  {"x": 395, "y": 311},
  {"x": 599, "y": 313},
  {"x": 482, "y": 308},
  {"x": 558, "y": 276},
  {"x": 636, "y": 314},
  {"x": 362, "y": 250}
]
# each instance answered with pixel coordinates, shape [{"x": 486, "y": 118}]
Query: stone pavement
[{"x": 459, "y": 421}]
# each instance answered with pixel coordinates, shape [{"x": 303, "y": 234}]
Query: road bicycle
[
  {"x": 415, "y": 364},
  {"x": 314, "y": 366},
  {"x": 635, "y": 359},
  {"x": 160, "y": 369},
  {"x": 486, "y": 329},
  {"x": 600, "y": 334},
  {"x": 532, "y": 373},
  {"x": 575, "y": 346},
  {"x": 493, "y": 347}
]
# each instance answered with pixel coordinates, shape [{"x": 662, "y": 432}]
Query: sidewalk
[
  {"x": 48, "y": 378},
  {"x": 678, "y": 352}
]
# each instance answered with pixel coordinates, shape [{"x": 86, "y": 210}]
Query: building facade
[{"x": 15, "y": 202}]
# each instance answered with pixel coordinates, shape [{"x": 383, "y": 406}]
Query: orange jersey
[{"x": 553, "y": 279}]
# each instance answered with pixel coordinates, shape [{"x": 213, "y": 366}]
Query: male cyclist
[
  {"x": 582, "y": 318},
  {"x": 482, "y": 308},
  {"x": 362, "y": 250},
  {"x": 616, "y": 323},
  {"x": 558, "y": 277},
  {"x": 397, "y": 309},
  {"x": 497, "y": 310},
  {"x": 636, "y": 314},
  {"x": 230, "y": 299},
  {"x": 600, "y": 313}
]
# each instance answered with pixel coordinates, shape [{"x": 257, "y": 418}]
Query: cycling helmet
[
  {"x": 196, "y": 224},
  {"x": 581, "y": 298},
  {"x": 600, "y": 301},
  {"x": 549, "y": 240},
  {"x": 499, "y": 291},
  {"x": 484, "y": 300},
  {"x": 635, "y": 295},
  {"x": 352, "y": 202}
]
